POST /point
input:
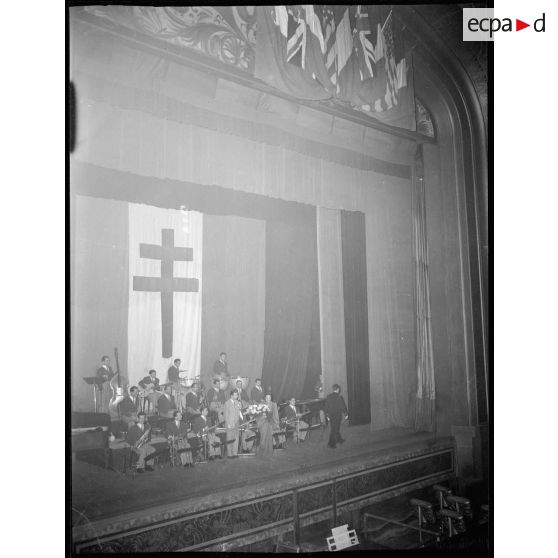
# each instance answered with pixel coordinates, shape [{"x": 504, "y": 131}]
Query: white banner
[{"x": 159, "y": 240}]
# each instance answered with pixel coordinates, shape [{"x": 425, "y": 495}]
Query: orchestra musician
[
  {"x": 193, "y": 401},
  {"x": 215, "y": 397},
  {"x": 128, "y": 407},
  {"x": 150, "y": 384},
  {"x": 173, "y": 378},
  {"x": 242, "y": 395},
  {"x": 166, "y": 403},
  {"x": 179, "y": 430},
  {"x": 202, "y": 426},
  {"x": 221, "y": 368},
  {"x": 173, "y": 373},
  {"x": 138, "y": 432},
  {"x": 292, "y": 418},
  {"x": 233, "y": 418},
  {"x": 257, "y": 392},
  {"x": 104, "y": 374},
  {"x": 247, "y": 436}
]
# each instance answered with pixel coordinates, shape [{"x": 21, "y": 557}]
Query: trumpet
[{"x": 143, "y": 439}]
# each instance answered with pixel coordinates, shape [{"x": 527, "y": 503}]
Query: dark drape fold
[
  {"x": 99, "y": 315},
  {"x": 291, "y": 346},
  {"x": 353, "y": 243}
]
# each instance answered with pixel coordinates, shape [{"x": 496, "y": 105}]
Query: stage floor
[{"x": 98, "y": 493}]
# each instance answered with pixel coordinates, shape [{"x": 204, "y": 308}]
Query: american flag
[
  {"x": 392, "y": 88},
  {"x": 328, "y": 23}
]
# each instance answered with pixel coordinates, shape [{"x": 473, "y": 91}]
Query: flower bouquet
[{"x": 257, "y": 409}]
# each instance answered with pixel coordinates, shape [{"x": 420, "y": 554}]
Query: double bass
[{"x": 117, "y": 385}]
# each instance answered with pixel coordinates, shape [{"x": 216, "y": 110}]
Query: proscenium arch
[{"x": 444, "y": 86}]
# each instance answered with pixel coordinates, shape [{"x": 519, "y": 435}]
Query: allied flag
[
  {"x": 354, "y": 54},
  {"x": 296, "y": 37},
  {"x": 364, "y": 49}
]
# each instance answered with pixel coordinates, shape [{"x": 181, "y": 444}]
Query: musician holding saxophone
[
  {"x": 138, "y": 437},
  {"x": 177, "y": 432}
]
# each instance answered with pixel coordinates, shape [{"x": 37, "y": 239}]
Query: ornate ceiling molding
[{"x": 227, "y": 33}]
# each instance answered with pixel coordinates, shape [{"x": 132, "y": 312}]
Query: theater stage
[{"x": 229, "y": 503}]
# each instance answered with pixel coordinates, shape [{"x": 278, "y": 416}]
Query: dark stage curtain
[
  {"x": 353, "y": 242},
  {"x": 291, "y": 342},
  {"x": 100, "y": 292}
]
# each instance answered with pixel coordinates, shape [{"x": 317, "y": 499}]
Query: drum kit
[
  {"x": 187, "y": 382},
  {"x": 245, "y": 382}
]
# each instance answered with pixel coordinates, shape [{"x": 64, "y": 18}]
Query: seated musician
[
  {"x": 216, "y": 400},
  {"x": 128, "y": 407},
  {"x": 291, "y": 419},
  {"x": 257, "y": 392},
  {"x": 179, "y": 430},
  {"x": 202, "y": 425},
  {"x": 139, "y": 434},
  {"x": 150, "y": 385},
  {"x": 166, "y": 403}
]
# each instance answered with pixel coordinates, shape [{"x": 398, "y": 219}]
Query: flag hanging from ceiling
[{"x": 353, "y": 54}]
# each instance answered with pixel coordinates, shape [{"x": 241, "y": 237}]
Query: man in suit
[
  {"x": 128, "y": 407},
  {"x": 179, "y": 430},
  {"x": 177, "y": 389},
  {"x": 248, "y": 436},
  {"x": 278, "y": 435},
  {"x": 173, "y": 372},
  {"x": 221, "y": 368},
  {"x": 216, "y": 400},
  {"x": 135, "y": 432},
  {"x": 104, "y": 375},
  {"x": 192, "y": 401},
  {"x": 335, "y": 410},
  {"x": 166, "y": 403},
  {"x": 151, "y": 385},
  {"x": 200, "y": 426},
  {"x": 242, "y": 395},
  {"x": 257, "y": 392},
  {"x": 292, "y": 419},
  {"x": 233, "y": 418}
]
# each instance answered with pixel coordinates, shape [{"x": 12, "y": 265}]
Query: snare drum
[{"x": 187, "y": 382}]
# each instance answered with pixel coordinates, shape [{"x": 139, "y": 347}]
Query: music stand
[{"x": 95, "y": 382}]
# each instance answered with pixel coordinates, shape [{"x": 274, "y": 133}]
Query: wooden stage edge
[{"x": 307, "y": 485}]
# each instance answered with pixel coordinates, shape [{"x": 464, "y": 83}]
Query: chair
[
  {"x": 341, "y": 538},
  {"x": 461, "y": 505},
  {"x": 130, "y": 460},
  {"x": 442, "y": 492},
  {"x": 453, "y": 522}
]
